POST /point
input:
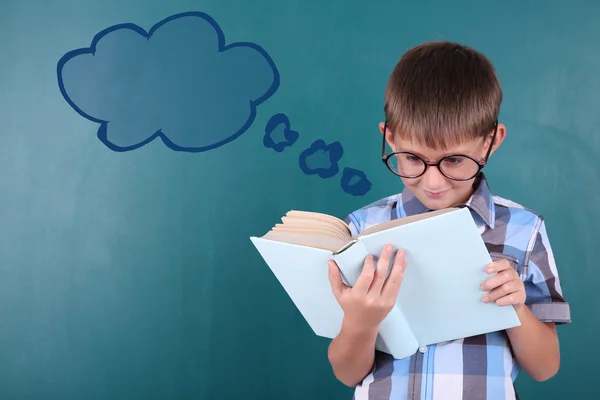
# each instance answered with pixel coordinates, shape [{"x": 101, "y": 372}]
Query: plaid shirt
[{"x": 480, "y": 367}]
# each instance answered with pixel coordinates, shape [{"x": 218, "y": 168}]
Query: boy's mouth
[{"x": 435, "y": 195}]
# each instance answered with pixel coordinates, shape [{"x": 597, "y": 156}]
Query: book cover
[{"x": 440, "y": 296}]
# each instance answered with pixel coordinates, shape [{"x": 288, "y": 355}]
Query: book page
[
  {"x": 309, "y": 223},
  {"x": 311, "y": 229},
  {"x": 331, "y": 220},
  {"x": 403, "y": 221},
  {"x": 322, "y": 241}
]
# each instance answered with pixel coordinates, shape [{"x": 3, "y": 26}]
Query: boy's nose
[{"x": 434, "y": 180}]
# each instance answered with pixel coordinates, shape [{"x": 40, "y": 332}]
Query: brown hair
[{"x": 442, "y": 93}]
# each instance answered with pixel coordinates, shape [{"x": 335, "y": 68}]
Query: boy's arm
[
  {"x": 352, "y": 354},
  {"x": 535, "y": 346},
  {"x": 537, "y": 297},
  {"x": 365, "y": 305}
]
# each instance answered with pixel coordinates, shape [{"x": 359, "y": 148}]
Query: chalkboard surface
[{"x": 133, "y": 172}]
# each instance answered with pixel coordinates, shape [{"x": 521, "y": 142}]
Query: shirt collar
[{"x": 481, "y": 202}]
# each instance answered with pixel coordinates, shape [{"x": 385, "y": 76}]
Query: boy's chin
[{"x": 435, "y": 201}]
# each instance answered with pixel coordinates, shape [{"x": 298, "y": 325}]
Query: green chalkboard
[{"x": 131, "y": 182}]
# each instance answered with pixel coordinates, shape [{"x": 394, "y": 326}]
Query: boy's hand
[
  {"x": 505, "y": 287},
  {"x": 373, "y": 296}
]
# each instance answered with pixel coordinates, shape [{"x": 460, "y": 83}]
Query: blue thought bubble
[
  {"x": 355, "y": 182},
  {"x": 278, "y": 134},
  {"x": 179, "y": 81},
  {"x": 321, "y": 159}
]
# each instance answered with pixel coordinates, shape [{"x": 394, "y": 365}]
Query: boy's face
[{"x": 433, "y": 189}]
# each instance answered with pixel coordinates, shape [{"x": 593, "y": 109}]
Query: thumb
[{"x": 337, "y": 285}]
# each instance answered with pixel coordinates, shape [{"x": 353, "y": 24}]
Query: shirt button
[{"x": 422, "y": 349}]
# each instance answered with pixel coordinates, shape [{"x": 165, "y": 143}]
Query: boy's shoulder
[
  {"x": 376, "y": 212},
  {"x": 517, "y": 211}
]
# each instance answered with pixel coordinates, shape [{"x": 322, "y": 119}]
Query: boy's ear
[
  {"x": 389, "y": 136},
  {"x": 500, "y": 135}
]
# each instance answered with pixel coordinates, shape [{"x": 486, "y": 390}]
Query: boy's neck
[{"x": 466, "y": 198}]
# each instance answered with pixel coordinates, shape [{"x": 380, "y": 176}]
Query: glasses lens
[
  {"x": 459, "y": 167},
  {"x": 406, "y": 164}
]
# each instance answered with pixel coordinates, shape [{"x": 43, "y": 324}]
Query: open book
[{"x": 440, "y": 296}]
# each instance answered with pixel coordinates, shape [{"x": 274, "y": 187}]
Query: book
[{"x": 440, "y": 296}]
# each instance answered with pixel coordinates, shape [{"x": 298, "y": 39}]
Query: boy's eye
[
  {"x": 411, "y": 158},
  {"x": 453, "y": 161}
]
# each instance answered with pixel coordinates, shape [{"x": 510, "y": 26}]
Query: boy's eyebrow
[
  {"x": 418, "y": 154},
  {"x": 445, "y": 154}
]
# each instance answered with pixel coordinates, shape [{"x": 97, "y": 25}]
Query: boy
[{"x": 442, "y": 102}]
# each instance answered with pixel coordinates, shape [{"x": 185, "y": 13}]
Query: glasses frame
[{"x": 481, "y": 163}]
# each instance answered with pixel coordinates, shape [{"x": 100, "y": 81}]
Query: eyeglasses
[{"x": 458, "y": 167}]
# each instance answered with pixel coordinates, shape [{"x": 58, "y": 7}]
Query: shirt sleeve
[
  {"x": 542, "y": 284},
  {"x": 353, "y": 223}
]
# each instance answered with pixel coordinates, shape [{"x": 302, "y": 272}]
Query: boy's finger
[
  {"x": 511, "y": 299},
  {"x": 499, "y": 279},
  {"x": 363, "y": 283},
  {"x": 497, "y": 266},
  {"x": 383, "y": 264},
  {"x": 501, "y": 292},
  {"x": 337, "y": 285},
  {"x": 394, "y": 280}
]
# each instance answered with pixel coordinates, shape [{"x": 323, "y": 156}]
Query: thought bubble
[
  {"x": 179, "y": 81},
  {"x": 278, "y": 134},
  {"x": 355, "y": 182},
  {"x": 321, "y": 159}
]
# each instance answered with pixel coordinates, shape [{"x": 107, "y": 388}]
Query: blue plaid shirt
[{"x": 480, "y": 367}]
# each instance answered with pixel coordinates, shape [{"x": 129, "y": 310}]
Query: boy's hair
[{"x": 442, "y": 93}]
